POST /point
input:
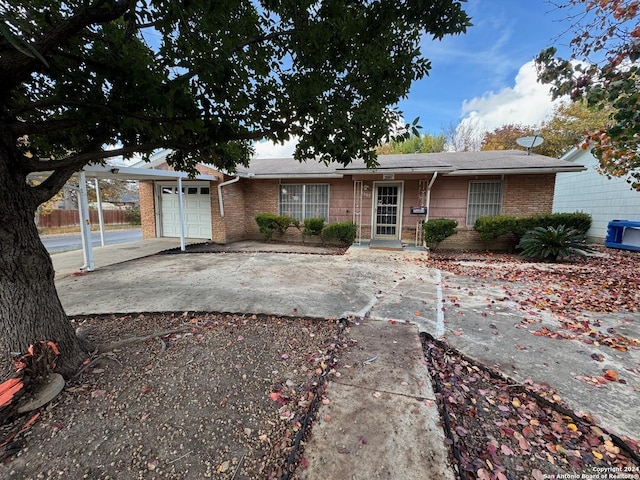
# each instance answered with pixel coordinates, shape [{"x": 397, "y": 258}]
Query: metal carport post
[{"x": 126, "y": 173}]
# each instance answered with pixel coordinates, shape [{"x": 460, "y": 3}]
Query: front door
[{"x": 388, "y": 205}]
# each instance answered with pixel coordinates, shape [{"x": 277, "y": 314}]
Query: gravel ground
[{"x": 223, "y": 399}]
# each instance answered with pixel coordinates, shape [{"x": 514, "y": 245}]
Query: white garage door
[{"x": 197, "y": 210}]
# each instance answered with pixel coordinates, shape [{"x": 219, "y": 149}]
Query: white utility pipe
[
  {"x": 183, "y": 246},
  {"x": 85, "y": 227},
  {"x": 224, "y": 184},
  {"x": 100, "y": 215}
]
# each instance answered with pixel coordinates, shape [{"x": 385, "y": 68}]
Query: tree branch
[
  {"x": 15, "y": 67},
  {"x": 35, "y": 128}
]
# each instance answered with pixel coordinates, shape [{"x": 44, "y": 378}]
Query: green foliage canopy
[
  {"x": 425, "y": 143},
  {"x": 567, "y": 128},
  {"x": 609, "y": 29},
  {"x": 205, "y": 79}
]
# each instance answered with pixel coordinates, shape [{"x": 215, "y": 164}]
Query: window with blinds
[{"x": 304, "y": 201}]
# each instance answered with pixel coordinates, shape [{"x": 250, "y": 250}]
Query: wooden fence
[{"x": 70, "y": 218}]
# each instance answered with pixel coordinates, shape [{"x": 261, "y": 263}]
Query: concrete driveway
[
  {"x": 375, "y": 285},
  {"x": 362, "y": 281}
]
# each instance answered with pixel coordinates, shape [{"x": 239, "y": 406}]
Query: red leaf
[{"x": 506, "y": 450}]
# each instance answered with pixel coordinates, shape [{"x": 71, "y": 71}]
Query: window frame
[
  {"x": 304, "y": 199},
  {"x": 484, "y": 206}
]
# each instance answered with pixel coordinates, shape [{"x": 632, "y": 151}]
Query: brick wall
[
  {"x": 147, "y": 209},
  {"x": 526, "y": 195},
  {"x": 260, "y": 196},
  {"x": 218, "y": 227},
  {"x": 234, "y": 211}
]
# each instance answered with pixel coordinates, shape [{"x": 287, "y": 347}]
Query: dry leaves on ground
[
  {"x": 498, "y": 430},
  {"x": 608, "y": 282}
]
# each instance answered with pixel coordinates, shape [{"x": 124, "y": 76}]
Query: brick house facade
[{"x": 459, "y": 186}]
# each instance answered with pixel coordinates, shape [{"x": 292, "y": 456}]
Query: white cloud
[
  {"x": 528, "y": 102},
  {"x": 267, "y": 149}
]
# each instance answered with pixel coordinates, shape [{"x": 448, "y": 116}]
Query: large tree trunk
[{"x": 30, "y": 309}]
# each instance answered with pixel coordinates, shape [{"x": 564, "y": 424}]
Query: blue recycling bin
[{"x": 623, "y": 234}]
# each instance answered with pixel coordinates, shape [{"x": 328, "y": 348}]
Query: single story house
[
  {"x": 590, "y": 192},
  {"x": 387, "y": 203}
]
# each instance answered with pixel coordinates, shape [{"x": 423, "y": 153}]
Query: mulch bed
[{"x": 497, "y": 429}]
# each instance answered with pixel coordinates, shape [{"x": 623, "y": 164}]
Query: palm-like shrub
[{"x": 551, "y": 243}]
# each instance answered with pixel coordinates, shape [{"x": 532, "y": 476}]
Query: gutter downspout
[
  {"x": 428, "y": 201},
  {"x": 433, "y": 179},
  {"x": 224, "y": 184}
]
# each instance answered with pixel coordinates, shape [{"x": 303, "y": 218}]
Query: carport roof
[{"x": 118, "y": 172}]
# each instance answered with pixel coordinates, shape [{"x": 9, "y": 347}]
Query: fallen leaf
[
  {"x": 223, "y": 467},
  {"x": 598, "y": 455},
  {"x": 482, "y": 474},
  {"x": 506, "y": 450},
  {"x": 611, "y": 375}
]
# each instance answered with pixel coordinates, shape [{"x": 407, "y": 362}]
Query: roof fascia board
[
  {"x": 106, "y": 171},
  {"x": 271, "y": 176}
]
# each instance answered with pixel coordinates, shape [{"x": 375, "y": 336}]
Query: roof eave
[
  {"x": 515, "y": 171},
  {"x": 275, "y": 176},
  {"x": 395, "y": 171}
]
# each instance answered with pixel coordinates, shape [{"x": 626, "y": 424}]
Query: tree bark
[{"x": 30, "y": 309}]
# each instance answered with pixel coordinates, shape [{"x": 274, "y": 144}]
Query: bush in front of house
[
  {"x": 550, "y": 243},
  {"x": 437, "y": 230},
  {"x": 490, "y": 228},
  {"x": 342, "y": 232},
  {"x": 313, "y": 226},
  {"x": 579, "y": 221},
  {"x": 269, "y": 223}
]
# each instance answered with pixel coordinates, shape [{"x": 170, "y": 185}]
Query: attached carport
[{"x": 186, "y": 207}]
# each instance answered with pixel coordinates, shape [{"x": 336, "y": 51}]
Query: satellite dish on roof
[{"x": 530, "y": 142}]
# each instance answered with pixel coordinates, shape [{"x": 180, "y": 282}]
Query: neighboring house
[
  {"x": 589, "y": 192},
  {"x": 387, "y": 203}
]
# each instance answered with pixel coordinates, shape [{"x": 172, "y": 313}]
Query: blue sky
[
  {"x": 485, "y": 76},
  {"x": 485, "y": 62}
]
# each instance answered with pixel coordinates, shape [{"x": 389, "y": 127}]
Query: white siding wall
[{"x": 589, "y": 192}]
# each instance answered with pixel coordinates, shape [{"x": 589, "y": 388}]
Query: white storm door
[{"x": 388, "y": 207}]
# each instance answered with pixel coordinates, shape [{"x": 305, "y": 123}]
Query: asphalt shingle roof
[{"x": 453, "y": 163}]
